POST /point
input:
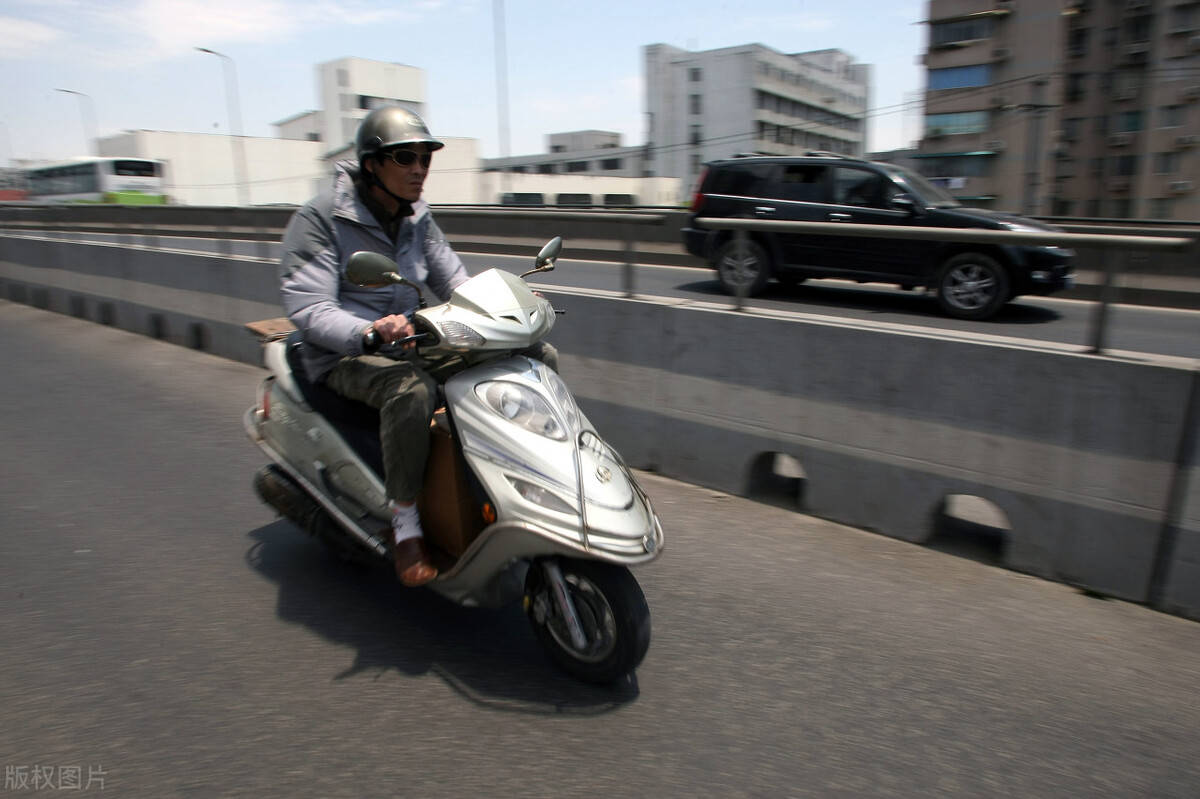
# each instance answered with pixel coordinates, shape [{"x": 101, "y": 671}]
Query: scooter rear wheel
[{"x": 612, "y": 612}]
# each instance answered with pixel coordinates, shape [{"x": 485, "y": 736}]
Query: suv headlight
[{"x": 522, "y": 406}]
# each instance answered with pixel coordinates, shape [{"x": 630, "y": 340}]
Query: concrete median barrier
[{"x": 1089, "y": 459}]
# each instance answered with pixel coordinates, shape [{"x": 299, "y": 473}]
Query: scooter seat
[{"x": 356, "y": 422}]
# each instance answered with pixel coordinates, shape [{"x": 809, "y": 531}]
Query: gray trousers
[{"x": 406, "y": 396}]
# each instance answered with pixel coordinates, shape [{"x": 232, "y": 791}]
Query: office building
[
  {"x": 712, "y": 104},
  {"x": 1065, "y": 107}
]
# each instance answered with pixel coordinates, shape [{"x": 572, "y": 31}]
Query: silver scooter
[{"x": 523, "y": 499}]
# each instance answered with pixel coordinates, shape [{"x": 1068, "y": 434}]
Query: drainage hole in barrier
[
  {"x": 970, "y": 527},
  {"x": 777, "y": 479},
  {"x": 108, "y": 313},
  {"x": 158, "y": 326},
  {"x": 198, "y": 336}
]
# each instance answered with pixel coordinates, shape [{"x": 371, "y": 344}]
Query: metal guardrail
[
  {"x": 1102, "y": 242},
  {"x": 628, "y": 226}
]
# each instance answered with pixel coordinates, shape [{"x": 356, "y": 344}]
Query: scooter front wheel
[{"x": 613, "y": 618}]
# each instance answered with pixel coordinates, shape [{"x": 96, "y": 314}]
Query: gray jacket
[{"x": 330, "y": 312}]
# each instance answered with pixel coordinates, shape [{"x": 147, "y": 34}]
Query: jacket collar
[{"x": 347, "y": 204}]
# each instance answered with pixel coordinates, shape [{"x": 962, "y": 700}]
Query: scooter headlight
[
  {"x": 522, "y": 406},
  {"x": 565, "y": 400}
]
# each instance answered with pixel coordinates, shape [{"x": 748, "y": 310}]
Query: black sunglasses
[{"x": 407, "y": 157}]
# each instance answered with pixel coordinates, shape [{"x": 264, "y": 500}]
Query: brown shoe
[{"x": 413, "y": 566}]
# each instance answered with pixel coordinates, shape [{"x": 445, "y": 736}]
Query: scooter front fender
[{"x": 473, "y": 580}]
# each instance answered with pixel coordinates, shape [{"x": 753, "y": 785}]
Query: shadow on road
[
  {"x": 825, "y": 294},
  {"x": 488, "y": 656}
]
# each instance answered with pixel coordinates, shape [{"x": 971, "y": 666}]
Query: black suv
[{"x": 971, "y": 281}]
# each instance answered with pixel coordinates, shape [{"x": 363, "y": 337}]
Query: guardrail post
[
  {"x": 740, "y": 249},
  {"x": 627, "y": 276},
  {"x": 1107, "y": 290}
]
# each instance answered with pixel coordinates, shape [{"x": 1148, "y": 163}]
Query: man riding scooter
[{"x": 350, "y": 332}]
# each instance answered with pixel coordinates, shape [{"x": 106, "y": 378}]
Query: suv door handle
[
  {"x": 839, "y": 217},
  {"x": 762, "y": 210}
]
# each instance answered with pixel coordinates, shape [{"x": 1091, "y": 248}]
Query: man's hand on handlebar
[{"x": 392, "y": 329}]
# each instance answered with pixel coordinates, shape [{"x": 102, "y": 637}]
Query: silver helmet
[{"x": 389, "y": 126}]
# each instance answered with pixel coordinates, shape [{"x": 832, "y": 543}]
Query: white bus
[{"x": 126, "y": 181}]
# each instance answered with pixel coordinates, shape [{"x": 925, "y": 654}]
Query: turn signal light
[{"x": 489, "y": 513}]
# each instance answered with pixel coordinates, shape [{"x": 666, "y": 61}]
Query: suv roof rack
[{"x": 830, "y": 154}]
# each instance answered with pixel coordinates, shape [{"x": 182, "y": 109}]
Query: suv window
[
  {"x": 859, "y": 187},
  {"x": 803, "y": 182},
  {"x": 743, "y": 180}
]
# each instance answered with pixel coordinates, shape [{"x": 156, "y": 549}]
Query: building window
[
  {"x": 694, "y": 103},
  {"x": 943, "y": 33},
  {"x": 1166, "y": 163},
  {"x": 1162, "y": 208},
  {"x": 314, "y": 137},
  {"x": 1097, "y": 170},
  {"x": 1124, "y": 166},
  {"x": 577, "y": 166},
  {"x": 960, "y": 77},
  {"x": 547, "y": 169},
  {"x": 516, "y": 170},
  {"x": 695, "y": 75},
  {"x": 694, "y": 136},
  {"x": 1077, "y": 40},
  {"x": 1171, "y": 116},
  {"x": 558, "y": 148},
  {"x": 611, "y": 164},
  {"x": 695, "y": 163},
  {"x": 1071, "y": 128},
  {"x": 950, "y": 124},
  {"x": 1122, "y": 207},
  {"x": 1184, "y": 19},
  {"x": 1127, "y": 121},
  {"x": 1076, "y": 86}
]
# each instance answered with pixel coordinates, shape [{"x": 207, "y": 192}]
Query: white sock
[{"x": 406, "y": 522}]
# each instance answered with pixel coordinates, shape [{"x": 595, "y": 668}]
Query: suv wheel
[
  {"x": 743, "y": 267},
  {"x": 972, "y": 286}
]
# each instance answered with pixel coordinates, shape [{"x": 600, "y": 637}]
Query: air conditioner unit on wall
[
  {"x": 1001, "y": 53},
  {"x": 995, "y": 145},
  {"x": 1187, "y": 141},
  {"x": 1190, "y": 94},
  {"x": 1181, "y": 186},
  {"x": 1120, "y": 139},
  {"x": 1118, "y": 184}
]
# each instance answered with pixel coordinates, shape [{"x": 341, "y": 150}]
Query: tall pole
[
  {"x": 235, "y": 123},
  {"x": 87, "y": 109},
  {"x": 501, "y": 88}
]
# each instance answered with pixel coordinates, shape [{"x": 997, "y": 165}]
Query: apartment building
[
  {"x": 1129, "y": 129},
  {"x": 1065, "y": 107},
  {"x": 750, "y": 98}
]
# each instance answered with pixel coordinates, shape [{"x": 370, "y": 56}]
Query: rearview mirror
[
  {"x": 372, "y": 269},
  {"x": 546, "y": 258},
  {"x": 904, "y": 202},
  {"x": 548, "y": 255}
]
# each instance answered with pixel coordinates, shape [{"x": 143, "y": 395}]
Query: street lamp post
[
  {"x": 235, "y": 123},
  {"x": 89, "y": 121}
]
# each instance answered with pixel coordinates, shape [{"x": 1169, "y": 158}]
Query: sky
[{"x": 569, "y": 65}]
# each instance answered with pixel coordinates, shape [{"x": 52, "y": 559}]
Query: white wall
[
  {"x": 646, "y": 191},
  {"x": 200, "y": 166}
]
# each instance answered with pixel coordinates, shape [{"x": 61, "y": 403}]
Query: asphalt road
[{"x": 163, "y": 631}]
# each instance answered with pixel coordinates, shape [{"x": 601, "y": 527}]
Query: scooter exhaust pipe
[{"x": 277, "y": 489}]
